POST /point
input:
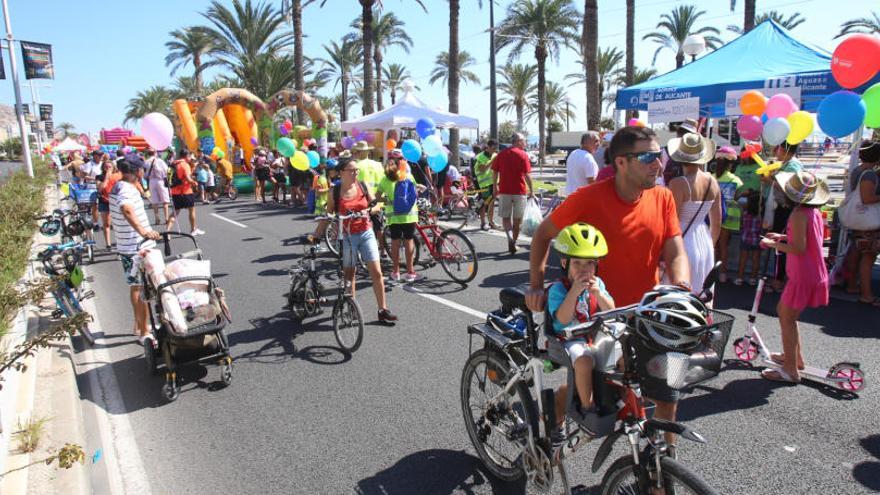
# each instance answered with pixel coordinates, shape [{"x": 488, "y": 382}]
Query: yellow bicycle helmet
[{"x": 581, "y": 240}]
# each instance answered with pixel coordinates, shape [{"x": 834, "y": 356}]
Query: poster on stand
[
  {"x": 673, "y": 110},
  {"x": 50, "y": 127},
  {"x": 37, "y": 58},
  {"x": 45, "y": 111}
]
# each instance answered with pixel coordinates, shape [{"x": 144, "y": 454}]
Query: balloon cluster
[
  {"x": 855, "y": 61},
  {"x": 285, "y": 128},
  {"x": 431, "y": 144}
]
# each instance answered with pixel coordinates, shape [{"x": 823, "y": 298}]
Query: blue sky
[{"x": 105, "y": 51}]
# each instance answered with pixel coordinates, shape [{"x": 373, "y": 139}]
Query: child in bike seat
[{"x": 575, "y": 299}]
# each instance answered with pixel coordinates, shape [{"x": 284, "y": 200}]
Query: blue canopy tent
[{"x": 766, "y": 57}]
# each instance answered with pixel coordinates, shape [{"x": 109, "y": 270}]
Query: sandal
[
  {"x": 871, "y": 302},
  {"x": 779, "y": 358},
  {"x": 779, "y": 375}
]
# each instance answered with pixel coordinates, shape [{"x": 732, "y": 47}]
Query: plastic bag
[{"x": 531, "y": 217}]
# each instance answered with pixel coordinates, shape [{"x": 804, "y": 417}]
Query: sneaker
[
  {"x": 738, "y": 281},
  {"x": 557, "y": 438},
  {"x": 484, "y": 227},
  {"x": 411, "y": 277},
  {"x": 145, "y": 338},
  {"x": 197, "y": 232},
  {"x": 394, "y": 276},
  {"x": 386, "y": 315}
]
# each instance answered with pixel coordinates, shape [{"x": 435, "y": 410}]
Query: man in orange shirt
[
  {"x": 182, "y": 196},
  {"x": 640, "y": 225}
]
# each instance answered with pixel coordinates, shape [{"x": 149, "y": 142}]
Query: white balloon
[{"x": 776, "y": 130}]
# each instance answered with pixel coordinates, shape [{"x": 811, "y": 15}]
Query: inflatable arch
[
  {"x": 239, "y": 107},
  {"x": 310, "y": 105}
]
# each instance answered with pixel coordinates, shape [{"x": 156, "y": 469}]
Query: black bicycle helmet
[{"x": 50, "y": 227}]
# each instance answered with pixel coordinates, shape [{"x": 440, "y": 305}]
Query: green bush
[{"x": 21, "y": 199}]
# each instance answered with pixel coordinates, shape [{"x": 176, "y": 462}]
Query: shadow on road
[
  {"x": 433, "y": 471},
  {"x": 278, "y": 333},
  {"x": 868, "y": 472}
]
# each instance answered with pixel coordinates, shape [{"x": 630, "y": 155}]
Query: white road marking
[
  {"x": 446, "y": 302},
  {"x": 477, "y": 230},
  {"x": 233, "y": 222}
]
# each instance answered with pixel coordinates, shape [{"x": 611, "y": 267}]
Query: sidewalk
[{"x": 47, "y": 389}]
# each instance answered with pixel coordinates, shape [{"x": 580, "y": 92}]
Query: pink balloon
[
  {"x": 370, "y": 137},
  {"x": 355, "y": 131},
  {"x": 157, "y": 130},
  {"x": 632, "y": 122},
  {"x": 780, "y": 106},
  {"x": 749, "y": 127}
]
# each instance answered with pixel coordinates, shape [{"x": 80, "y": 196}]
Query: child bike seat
[{"x": 513, "y": 298}]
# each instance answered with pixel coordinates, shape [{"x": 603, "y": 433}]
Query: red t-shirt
[
  {"x": 183, "y": 170},
  {"x": 358, "y": 203},
  {"x": 635, "y": 233},
  {"x": 512, "y": 166}
]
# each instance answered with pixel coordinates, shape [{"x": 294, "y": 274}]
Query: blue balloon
[
  {"x": 841, "y": 113},
  {"x": 438, "y": 162},
  {"x": 425, "y": 127},
  {"x": 411, "y": 150},
  {"x": 444, "y": 136},
  {"x": 314, "y": 158},
  {"x": 764, "y": 118},
  {"x": 432, "y": 145}
]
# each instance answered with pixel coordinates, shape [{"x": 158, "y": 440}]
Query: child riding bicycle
[{"x": 574, "y": 300}]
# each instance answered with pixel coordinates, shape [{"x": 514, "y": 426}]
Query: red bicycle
[{"x": 449, "y": 247}]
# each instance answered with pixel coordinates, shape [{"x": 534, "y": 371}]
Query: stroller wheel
[
  {"x": 171, "y": 390},
  {"x": 226, "y": 370},
  {"x": 150, "y": 358}
]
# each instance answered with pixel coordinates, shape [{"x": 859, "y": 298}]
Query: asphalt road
[{"x": 302, "y": 417}]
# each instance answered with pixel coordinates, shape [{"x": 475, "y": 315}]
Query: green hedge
[{"x": 21, "y": 199}]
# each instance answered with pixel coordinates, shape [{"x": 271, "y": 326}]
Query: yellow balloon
[
  {"x": 801, "y": 126},
  {"x": 300, "y": 161}
]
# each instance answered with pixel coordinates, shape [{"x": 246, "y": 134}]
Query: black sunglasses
[{"x": 646, "y": 157}]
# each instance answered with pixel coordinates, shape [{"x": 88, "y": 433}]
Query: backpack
[
  {"x": 337, "y": 187},
  {"x": 405, "y": 196},
  {"x": 175, "y": 178}
]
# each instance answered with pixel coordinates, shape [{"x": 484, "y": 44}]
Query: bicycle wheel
[
  {"x": 348, "y": 324},
  {"x": 457, "y": 255},
  {"x": 296, "y": 297},
  {"x": 621, "y": 479},
  {"x": 331, "y": 237},
  {"x": 90, "y": 253},
  {"x": 402, "y": 249},
  {"x": 71, "y": 307},
  {"x": 498, "y": 430}
]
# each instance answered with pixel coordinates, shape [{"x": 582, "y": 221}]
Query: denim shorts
[{"x": 363, "y": 243}]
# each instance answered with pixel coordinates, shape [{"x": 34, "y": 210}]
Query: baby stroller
[{"x": 187, "y": 312}]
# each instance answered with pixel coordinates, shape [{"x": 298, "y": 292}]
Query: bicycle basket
[{"x": 682, "y": 370}]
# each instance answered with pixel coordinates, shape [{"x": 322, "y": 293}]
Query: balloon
[
  {"x": 432, "y": 145},
  {"x": 438, "y": 162},
  {"x": 801, "y": 126},
  {"x": 370, "y": 137},
  {"x": 158, "y": 131},
  {"x": 780, "y": 105},
  {"x": 300, "y": 161},
  {"x": 444, "y": 135},
  {"x": 288, "y": 124},
  {"x": 314, "y": 159},
  {"x": 411, "y": 150},
  {"x": 634, "y": 122},
  {"x": 841, "y": 113},
  {"x": 355, "y": 131},
  {"x": 872, "y": 104},
  {"x": 286, "y": 146},
  {"x": 220, "y": 154},
  {"x": 856, "y": 60},
  {"x": 749, "y": 127},
  {"x": 764, "y": 118},
  {"x": 425, "y": 127},
  {"x": 283, "y": 130},
  {"x": 390, "y": 144},
  {"x": 254, "y": 141},
  {"x": 776, "y": 130},
  {"x": 753, "y": 103}
]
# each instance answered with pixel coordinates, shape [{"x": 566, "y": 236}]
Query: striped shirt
[{"x": 127, "y": 238}]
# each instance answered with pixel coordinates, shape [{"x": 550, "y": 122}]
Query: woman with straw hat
[
  {"x": 697, "y": 196},
  {"x": 807, "y": 276}
]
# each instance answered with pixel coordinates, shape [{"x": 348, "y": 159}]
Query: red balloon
[
  {"x": 288, "y": 124},
  {"x": 856, "y": 60}
]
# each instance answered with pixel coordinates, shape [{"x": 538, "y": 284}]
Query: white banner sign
[
  {"x": 673, "y": 110},
  {"x": 731, "y": 99}
]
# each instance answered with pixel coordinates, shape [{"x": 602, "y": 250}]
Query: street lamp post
[
  {"x": 493, "y": 95},
  {"x": 693, "y": 45},
  {"x": 25, "y": 145}
]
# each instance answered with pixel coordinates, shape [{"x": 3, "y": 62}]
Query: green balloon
[
  {"x": 872, "y": 102},
  {"x": 286, "y": 147}
]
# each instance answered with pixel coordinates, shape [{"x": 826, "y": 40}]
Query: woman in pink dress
[{"x": 807, "y": 285}]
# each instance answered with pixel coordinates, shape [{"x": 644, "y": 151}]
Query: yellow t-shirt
[{"x": 371, "y": 173}]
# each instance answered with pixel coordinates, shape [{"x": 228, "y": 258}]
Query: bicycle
[
  {"x": 520, "y": 413},
  {"x": 67, "y": 281},
  {"x": 71, "y": 224},
  {"x": 307, "y": 294},
  {"x": 68, "y": 254},
  {"x": 548, "y": 204},
  {"x": 449, "y": 247}
]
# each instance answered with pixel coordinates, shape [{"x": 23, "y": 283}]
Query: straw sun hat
[
  {"x": 691, "y": 148},
  {"x": 803, "y": 188},
  {"x": 361, "y": 146}
]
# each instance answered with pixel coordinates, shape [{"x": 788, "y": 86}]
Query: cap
[{"x": 130, "y": 164}]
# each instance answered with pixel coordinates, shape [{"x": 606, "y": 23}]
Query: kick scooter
[{"x": 846, "y": 376}]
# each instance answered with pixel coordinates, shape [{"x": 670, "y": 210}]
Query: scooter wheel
[
  {"x": 852, "y": 379},
  {"x": 745, "y": 349}
]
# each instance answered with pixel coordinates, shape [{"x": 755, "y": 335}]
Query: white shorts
[
  {"x": 605, "y": 351},
  {"x": 514, "y": 204}
]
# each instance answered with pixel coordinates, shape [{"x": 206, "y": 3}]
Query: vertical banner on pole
[
  {"x": 50, "y": 128},
  {"x": 2, "y": 69},
  {"x": 45, "y": 112},
  {"x": 25, "y": 109},
  {"x": 37, "y": 58}
]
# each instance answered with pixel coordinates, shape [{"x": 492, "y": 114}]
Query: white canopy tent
[
  {"x": 406, "y": 112},
  {"x": 68, "y": 145}
]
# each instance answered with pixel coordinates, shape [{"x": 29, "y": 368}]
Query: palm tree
[
  {"x": 387, "y": 31},
  {"x": 557, "y": 107},
  {"x": 518, "y": 82},
  {"x": 154, "y": 99},
  {"x": 861, "y": 25},
  {"x": 791, "y": 22},
  {"x": 395, "y": 74},
  {"x": 639, "y": 76},
  {"x": 441, "y": 68},
  {"x": 294, "y": 12},
  {"x": 748, "y": 14},
  {"x": 339, "y": 67},
  {"x": 589, "y": 47},
  {"x": 191, "y": 45},
  {"x": 547, "y": 25},
  {"x": 608, "y": 70},
  {"x": 65, "y": 128},
  {"x": 367, "y": 38},
  {"x": 678, "y": 26},
  {"x": 267, "y": 74},
  {"x": 246, "y": 32}
]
